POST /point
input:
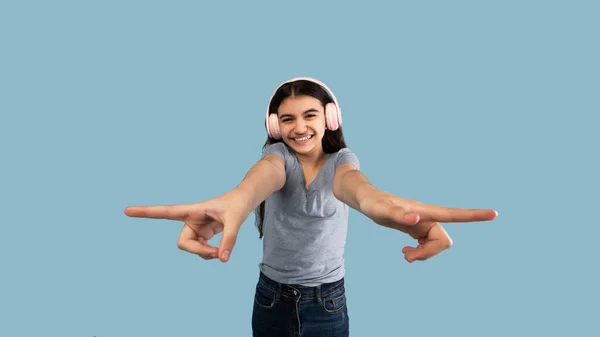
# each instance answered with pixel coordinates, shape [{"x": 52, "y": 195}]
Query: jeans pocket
[
  {"x": 335, "y": 301},
  {"x": 264, "y": 297}
]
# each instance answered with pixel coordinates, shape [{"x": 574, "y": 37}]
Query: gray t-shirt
[{"x": 305, "y": 229}]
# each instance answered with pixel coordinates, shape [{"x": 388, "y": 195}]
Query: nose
[{"x": 300, "y": 126}]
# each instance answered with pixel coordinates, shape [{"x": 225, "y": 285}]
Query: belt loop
[
  {"x": 318, "y": 294},
  {"x": 278, "y": 293}
]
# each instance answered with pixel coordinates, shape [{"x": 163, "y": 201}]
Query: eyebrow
[{"x": 305, "y": 112}]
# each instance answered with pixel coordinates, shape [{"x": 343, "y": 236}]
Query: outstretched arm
[
  {"x": 351, "y": 186},
  {"x": 264, "y": 178},
  {"x": 225, "y": 213},
  {"x": 419, "y": 220}
]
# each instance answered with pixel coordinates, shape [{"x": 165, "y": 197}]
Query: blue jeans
[{"x": 293, "y": 310}]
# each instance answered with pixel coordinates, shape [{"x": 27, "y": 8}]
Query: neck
[{"x": 311, "y": 159}]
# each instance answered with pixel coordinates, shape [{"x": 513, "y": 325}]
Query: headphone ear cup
[
  {"x": 333, "y": 118},
  {"x": 274, "y": 126}
]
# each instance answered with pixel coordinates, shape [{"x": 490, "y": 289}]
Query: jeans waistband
[{"x": 294, "y": 290}]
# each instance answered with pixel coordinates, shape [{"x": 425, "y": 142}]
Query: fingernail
[
  {"x": 411, "y": 217},
  {"x": 226, "y": 255},
  {"x": 213, "y": 255}
]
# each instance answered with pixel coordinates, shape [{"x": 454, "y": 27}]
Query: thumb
[
  {"x": 230, "y": 233},
  {"x": 401, "y": 216}
]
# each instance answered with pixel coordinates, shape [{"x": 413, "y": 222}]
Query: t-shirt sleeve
[
  {"x": 277, "y": 149},
  {"x": 346, "y": 156}
]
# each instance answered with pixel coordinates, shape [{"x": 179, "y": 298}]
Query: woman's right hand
[{"x": 202, "y": 221}]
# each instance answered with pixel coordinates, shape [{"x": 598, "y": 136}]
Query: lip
[
  {"x": 310, "y": 135},
  {"x": 294, "y": 139}
]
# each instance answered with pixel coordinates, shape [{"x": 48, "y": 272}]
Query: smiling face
[{"x": 302, "y": 124}]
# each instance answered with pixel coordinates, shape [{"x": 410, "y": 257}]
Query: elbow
[
  {"x": 280, "y": 179},
  {"x": 337, "y": 186},
  {"x": 336, "y": 189},
  {"x": 277, "y": 170}
]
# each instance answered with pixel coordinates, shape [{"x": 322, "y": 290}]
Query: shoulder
[
  {"x": 279, "y": 149},
  {"x": 346, "y": 156}
]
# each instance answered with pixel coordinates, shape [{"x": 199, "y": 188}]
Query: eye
[{"x": 311, "y": 116}]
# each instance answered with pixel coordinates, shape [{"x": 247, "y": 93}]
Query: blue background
[{"x": 464, "y": 103}]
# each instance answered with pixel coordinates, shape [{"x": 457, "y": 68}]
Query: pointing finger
[
  {"x": 173, "y": 212},
  {"x": 445, "y": 214}
]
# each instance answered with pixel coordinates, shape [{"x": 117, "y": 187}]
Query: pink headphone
[{"x": 333, "y": 113}]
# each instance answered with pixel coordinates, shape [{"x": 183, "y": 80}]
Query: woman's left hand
[
  {"x": 434, "y": 242},
  {"x": 421, "y": 221}
]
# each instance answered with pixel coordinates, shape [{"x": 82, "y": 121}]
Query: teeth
[{"x": 302, "y": 139}]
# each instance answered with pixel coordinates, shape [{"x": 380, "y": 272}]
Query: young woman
[{"x": 301, "y": 189}]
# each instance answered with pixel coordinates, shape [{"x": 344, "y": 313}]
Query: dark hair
[{"x": 332, "y": 142}]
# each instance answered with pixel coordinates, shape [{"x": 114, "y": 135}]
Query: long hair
[{"x": 332, "y": 142}]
